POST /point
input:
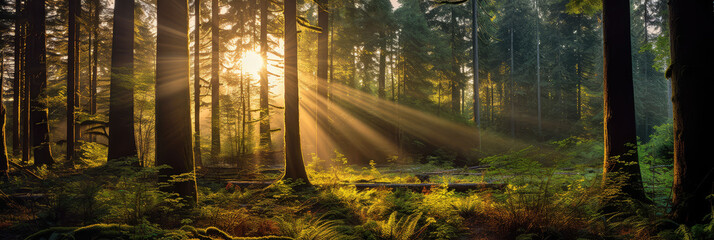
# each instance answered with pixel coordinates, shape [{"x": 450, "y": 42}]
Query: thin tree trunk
[
  {"x": 512, "y": 91},
  {"x": 18, "y": 90},
  {"x": 121, "y": 99},
  {"x": 215, "y": 82},
  {"x": 476, "y": 85},
  {"x": 322, "y": 68},
  {"x": 691, "y": 36},
  {"x": 265, "y": 139},
  {"x": 197, "y": 81},
  {"x": 4, "y": 161},
  {"x": 95, "y": 60},
  {"x": 455, "y": 85},
  {"x": 381, "y": 81},
  {"x": 621, "y": 164},
  {"x": 72, "y": 75},
  {"x": 173, "y": 101},
  {"x": 37, "y": 77},
  {"x": 538, "y": 95},
  {"x": 294, "y": 166}
]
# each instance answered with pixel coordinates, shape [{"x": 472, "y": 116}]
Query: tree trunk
[
  {"x": 95, "y": 60},
  {"x": 294, "y": 167},
  {"x": 197, "y": 81},
  {"x": 621, "y": 164},
  {"x": 4, "y": 161},
  {"x": 37, "y": 77},
  {"x": 215, "y": 83},
  {"x": 381, "y": 81},
  {"x": 265, "y": 139},
  {"x": 477, "y": 97},
  {"x": 322, "y": 67},
  {"x": 691, "y": 36},
  {"x": 512, "y": 95},
  {"x": 540, "y": 119},
  {"x": 18, "y": 90},
  {"x": 121, "y": 99},
  {"x": 455, "y": 86},
  {"x": 72, "y": 74},
  {"x": 173, "y": 101}
]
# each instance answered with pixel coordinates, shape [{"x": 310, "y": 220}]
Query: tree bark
[
  {"x": 294, "y": 166},
  {"x": 476, "y": 85},
  {"x": 691, "y": 36},
  {"x": 18, "y": 81},
  {"x": 322, "y": 67},
  {"x": 197, "y": 81},
  {"x": 121, "y": 99},
  {"x": 264, "y": 128},
  {"x": 381, "y": 80},
  {"x": 95, "y": 60},
  {"x": 4, "y": 161},
  {"x": 215, "y": 83},
  {"x": 37, "y": 77},
  {"x": 72, "y": 75},
  {"x": 455, "y": 81},
  {"x": 173, "y": 113},
  {"x": 621, "y": 164}
]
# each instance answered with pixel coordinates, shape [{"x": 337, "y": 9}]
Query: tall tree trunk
[
  {"x": 95, "y": 60},
  {"x": 512, "y": 91},
  {"x": 4, "y": 161},
  {"x": 322, "y": 67},
  {"x": 173, "y": 99},
  {"x": 538, "y": 95},
  {"x": 476, "y": 85},
  {"x": 381, "y": 80},
  {"x": 265, "y": 139},
  {"x": 18, "y": 80},
  {"x": 621, "y": 164},
  {"x": 121, "y": 99},
  {"x": 294, "y": 166},
  {"x": 197, "y": 81},
  {"x": 691, "y": 36},
  {"x": 215, "y": 83},
  {"x": 72, "y": 74},
  {"x": 37, "y": 77},
  {"x": 455, "y": 81}
]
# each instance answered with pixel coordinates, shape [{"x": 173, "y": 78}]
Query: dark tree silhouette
[
  {"x": 197, "y": 81},
  {"x": 322, "y": 67},
  {"x": 215, "y": 82},
  {"x": 121, "y": 100},
  {"x": 621, "y": 161},
  {"x": 265, "y": 139},
  {"x": 294, "y": 166},
  {"x": 72, "y": 74},
  {"x": 37, "y": 77},
  {"x": 691, "y": 37},
  {"x": 173, "y": 113},
  {"x": 4, "y": 161},
  {"x": 18, "y": 81}
]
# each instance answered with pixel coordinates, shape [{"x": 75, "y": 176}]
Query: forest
[{"x": 356, "y": 119}]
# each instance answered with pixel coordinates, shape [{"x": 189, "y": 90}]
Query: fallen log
[{"x": 459, "y": 187}]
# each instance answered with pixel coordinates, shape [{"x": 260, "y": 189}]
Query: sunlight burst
[{"x": 252, "y": 63}]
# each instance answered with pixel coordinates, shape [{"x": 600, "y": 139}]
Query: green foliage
[
  {"x": 659, "y": 149},
  {"x": 309, "y": 228},
  {"x": 404, "y": 228}
]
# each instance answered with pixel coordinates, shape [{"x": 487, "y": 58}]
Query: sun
[{"x": 252, "y": 63}]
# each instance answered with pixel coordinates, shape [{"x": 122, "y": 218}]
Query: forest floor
[{"x": 541, "y": 200}]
